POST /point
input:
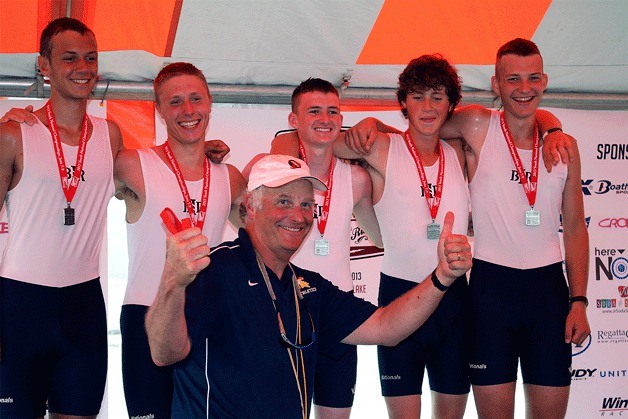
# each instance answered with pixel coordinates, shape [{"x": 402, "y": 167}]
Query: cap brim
[{"x": 316, "y": 183}]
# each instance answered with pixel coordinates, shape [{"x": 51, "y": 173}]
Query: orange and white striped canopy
[{"x": 367, "y": 42}]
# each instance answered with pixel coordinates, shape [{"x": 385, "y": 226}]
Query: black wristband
[
  {"x": 549, "y": 131},
  {"x": 437, "y": 283},
  {"x": 577, "y": 298}
]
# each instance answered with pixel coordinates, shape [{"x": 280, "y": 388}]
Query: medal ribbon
[
  {"x": 432, "y": 203},
  {"x": 528, "y": 187},
  {"x": 69, "y": 186},
  {"x": 321, "y": 222},
  {"x": 199, "y": 220}
]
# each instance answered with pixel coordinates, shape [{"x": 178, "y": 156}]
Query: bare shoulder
[
  {"x": 126, "y": 166},
  {"x": 11, "y": 161},
  {"x": 115, "y": 136},
  {"x": 10, "y": 139},
  {"x": 361, "y": 180},
  {"x": 471, "y": 123},
  {"x": 286, "y": 143},
  {"x": 127, "y": 158},
  {"x": 236, "y": 181}
]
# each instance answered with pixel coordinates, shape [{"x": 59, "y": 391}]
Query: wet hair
[
  {"x": 175, "y": 70},
  {"x": 518, "y": 46},
  {"x": 429, "y": 72},
  {"x": 57, "y": 26},
  {"x": 311, "y": 85}
]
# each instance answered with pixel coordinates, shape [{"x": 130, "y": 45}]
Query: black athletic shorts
[
  {"x": 519, "y": 315},
  {"x": 148, "y": 389},
  {"x": 54, "y": 349},
  {"x": 440, "y": 345}
]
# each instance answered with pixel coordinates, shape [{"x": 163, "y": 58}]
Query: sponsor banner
[{"x": 598, "y": 368}]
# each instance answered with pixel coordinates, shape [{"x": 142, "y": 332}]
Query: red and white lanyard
[
  {"x": 432, "y": 203},
  {"x": 69, "y": 186},
  {"x": 199, "y": 220},
  {"x": 528, "y": 187},
  {"x": 321, "y": 221}
]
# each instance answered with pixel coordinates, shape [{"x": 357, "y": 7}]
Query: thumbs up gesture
[{"x": 454, "y": 253}]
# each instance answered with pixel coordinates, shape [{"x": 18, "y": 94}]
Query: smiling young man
[
  {"x": 517, "y": 255},
  {"x": 317, "y": 120},
  {"x": 248, "y": 327},
  {"x": 175, "y": 175},
  {"x": 56, "y": 180},
  {"x": 417, "y": 178}
]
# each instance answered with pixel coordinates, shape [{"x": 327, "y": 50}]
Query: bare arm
[
  {"x": 393, "y": 323},
  {"x": 557, "y": 146},
  {"x": 186, "y": 255},
  {"x": 576, "y": 241},
  {"x": 363, "y": 205},
  {"x": 286, "y": 144},
  {"x": 129, "y": 182},
  {"x": 238, "y": 187},
  {"x": 469, "y": 123},
  {"x": 10, "y": 158},
  {"x": 115, "y": 136},
  {"x": 216, "y": 150},
  {"x": 345, "y": 148},
  {"x": 360, "y": 138},
  {"x": 20, "y": 115}
]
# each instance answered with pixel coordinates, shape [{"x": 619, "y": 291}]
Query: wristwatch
[
  {"x": 577, "y": 298},
  {"x": 437, "y": 283},
  {"x": 549, "y": 131}
]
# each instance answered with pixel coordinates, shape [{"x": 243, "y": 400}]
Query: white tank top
[
  {"x": 40, "y": 249},
  {"x": 335, "y": 267},
  {"x": 499, "y": 204},
  {"x": 146, "y": 237},
  {"x": 403, "y": 213}
]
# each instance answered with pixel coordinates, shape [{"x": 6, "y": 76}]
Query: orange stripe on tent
[
  {"x": 136, "y": 120},
  {"x": 130, "y": 24},
  {"x": 18, "y": 32},
  {"x": 464, "y": 31},
  {"x": 83, "y": 11}
]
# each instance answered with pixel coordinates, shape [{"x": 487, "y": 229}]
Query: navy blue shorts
[
  {"x": 334, "y": 380},
  {"x": 440, "y": 345},
  {"x": 54, "y": 349},
  {"x": 148, "y": 388},
  {"x": 519, "y": 315}
]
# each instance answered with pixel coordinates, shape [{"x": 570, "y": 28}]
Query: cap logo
[{"x": 294, "y": 164}]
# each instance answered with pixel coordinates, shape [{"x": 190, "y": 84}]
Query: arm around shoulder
[
  {"x": 470, "y": 123},
  {"x": 286, "y": 143}
]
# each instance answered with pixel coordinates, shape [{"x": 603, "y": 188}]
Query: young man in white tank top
[
  {"x": 417, "y": 179},
  {"x": 317, "y": 120},
  {"x": 56, "y": 180},
  {"x": 179, "y": 176},
  {"x": 519, "y": 81}
]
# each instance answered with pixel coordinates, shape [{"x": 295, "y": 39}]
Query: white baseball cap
[{"x": 276, "y": 170}]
